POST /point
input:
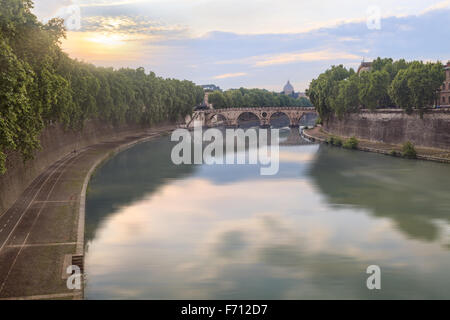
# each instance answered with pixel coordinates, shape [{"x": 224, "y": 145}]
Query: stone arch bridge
[{"x": 230, "y": 116}]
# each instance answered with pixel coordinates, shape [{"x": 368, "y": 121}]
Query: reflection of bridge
[{"x": 230, "y": 117}]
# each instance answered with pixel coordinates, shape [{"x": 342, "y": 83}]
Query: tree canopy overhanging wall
[{"x": 40, "y": 84}]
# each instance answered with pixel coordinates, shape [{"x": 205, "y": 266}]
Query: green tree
[
  {"x": 217, "y": 99},
  {"x": 251, "y": 98},
  {"x": 347, "y": 98},
  {"x": 416, "y": 86},
  {"x": 400, "y": 92},
  {"x": 40, "y": 84},
  {"x": 389, "y": 83},
  {"x": 323, "y": 91}
]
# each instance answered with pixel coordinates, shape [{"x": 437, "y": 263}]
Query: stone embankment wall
[
  {"x": 395, "y": 127},
  {"x": 56, "y": 142}
]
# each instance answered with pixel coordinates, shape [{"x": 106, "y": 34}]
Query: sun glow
[
  {"x": 102, "y": 48},
  {"x": 110, "y": 40}
]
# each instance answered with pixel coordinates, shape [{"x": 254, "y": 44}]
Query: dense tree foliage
[
  {"x": 250, "y": 98},
  {"x": 416, "y": 86},
  {"x": 325, "y": 89},
  {"x": 406, "y": 85},
  {"x": 40, "y": 84}
]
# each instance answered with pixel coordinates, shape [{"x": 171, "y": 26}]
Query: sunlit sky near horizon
[{"x": 252, "y": 43}]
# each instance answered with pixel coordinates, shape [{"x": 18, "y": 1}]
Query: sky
[{"x": 249, "y": 43}]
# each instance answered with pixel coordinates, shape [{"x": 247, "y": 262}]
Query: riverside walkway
[{"x": 43, "y": 232}]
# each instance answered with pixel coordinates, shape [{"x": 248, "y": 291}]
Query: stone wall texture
[
  {"x": 395, "y": 127},
  {"x": 56, "y": 142}
]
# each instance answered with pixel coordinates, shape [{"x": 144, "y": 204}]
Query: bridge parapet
[
  {"x": 253, "y": 110},
  {"x": 264, "y": 114}
]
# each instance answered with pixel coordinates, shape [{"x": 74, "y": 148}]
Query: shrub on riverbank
[
  {"x": 395, "y": 153},
  {"x": 351, "y": 143},
  {"x": 335, "y": 141},
  {"x": 409, "y": 151}
]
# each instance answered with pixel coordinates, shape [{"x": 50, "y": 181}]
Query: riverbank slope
[
  {"x": 43, "y": 232},
  {"x": 56, "y": 142}
]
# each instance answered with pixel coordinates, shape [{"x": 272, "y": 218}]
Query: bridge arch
[
  {"x": 250, "y": 116},
  {"x": 221, "y": 117},
  {"x": 216, "y": 118},
  {"x": 303, "y": 120},
  {"x": 285, "y": 121}
]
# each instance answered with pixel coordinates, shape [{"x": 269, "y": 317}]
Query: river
[{"x": 155, "y": 230}]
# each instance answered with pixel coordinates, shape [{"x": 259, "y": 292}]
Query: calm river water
[{"x": 159, "y": 231}]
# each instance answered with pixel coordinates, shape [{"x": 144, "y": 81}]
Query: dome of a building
[{"x": 288, "y": 88}]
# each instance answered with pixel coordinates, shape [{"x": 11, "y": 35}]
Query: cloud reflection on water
[{"x": 256, "y": 238}]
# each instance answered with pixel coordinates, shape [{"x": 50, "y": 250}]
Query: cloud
[
  {"x": 160, "y": 36},
  {"x": 254, "y": 16},
  {"x": 230, "y": 75},
  {"x": 130, "y": 25},
  {"x": 293, "y": 57},
  {"x": 107, "y": 3},
  {"x": 438, "y": 6},
  {"x": 349, "y": 39}
]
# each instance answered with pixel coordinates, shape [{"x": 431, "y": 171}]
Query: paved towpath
[{"x": 41, "y": 232}]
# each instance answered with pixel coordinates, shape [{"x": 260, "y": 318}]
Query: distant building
[
  {"x": 365, "y": 66},
  {"x": 288, "y": 89},
  {"x": 444, "y": 95},
  {"x": 211, "y": 87}
]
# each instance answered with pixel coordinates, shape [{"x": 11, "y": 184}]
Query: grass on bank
[
  {"x": 351, "y": 143},
  {"x": 408, "y": 149}
]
